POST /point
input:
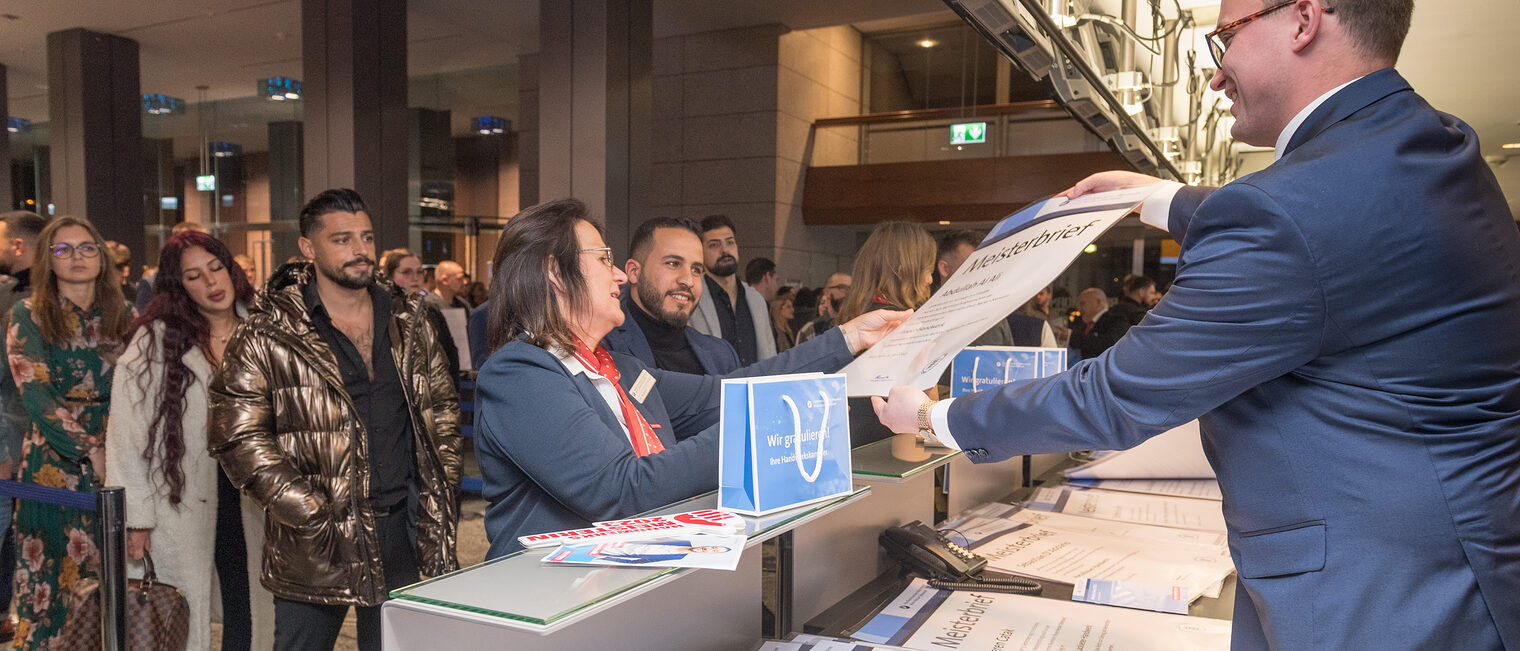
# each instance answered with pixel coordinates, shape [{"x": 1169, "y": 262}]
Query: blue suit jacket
[
  {"x": 1342, "y": 325},
  {"x": 553, "y": 456},
  {"x": 716, "y": 355}
]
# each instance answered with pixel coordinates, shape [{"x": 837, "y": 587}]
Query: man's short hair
[
  {"x": 1377, "y": 27},
  {"x": 756, "y": 270},
  {"x": 643, "y": 236},
  {"x": 715, "y": 222},
  {"x": 23, "y": 224},
  {"x": 329, "y": 201},
  {"x": 954, "y": 239},
  {"x": 1137, "y": 283}
]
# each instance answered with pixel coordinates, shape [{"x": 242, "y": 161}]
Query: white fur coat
[{"x": 183, "y": 540}]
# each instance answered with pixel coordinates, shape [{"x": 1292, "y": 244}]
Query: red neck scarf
[{"x": 640, "y": 433}]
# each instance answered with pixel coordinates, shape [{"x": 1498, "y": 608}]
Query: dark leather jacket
[{"x": 286, "y": 433}]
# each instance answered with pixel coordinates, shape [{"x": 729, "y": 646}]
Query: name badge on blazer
[{"x": 641, "y": 386}]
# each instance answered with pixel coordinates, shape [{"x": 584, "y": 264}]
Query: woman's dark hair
[
  {"x": 47, "y": 307},
  {"x": 184, "y": 328},
  {"x": 523, "y": 303}
]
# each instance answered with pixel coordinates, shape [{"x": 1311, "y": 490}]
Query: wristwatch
[{"x": 926, "y": 428}]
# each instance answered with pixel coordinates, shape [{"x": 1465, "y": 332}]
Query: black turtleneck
[{"x": 672, "y": 352}]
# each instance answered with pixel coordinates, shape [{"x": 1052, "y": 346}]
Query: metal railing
[{"x": 110, "y": 510}]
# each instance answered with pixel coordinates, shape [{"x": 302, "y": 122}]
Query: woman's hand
[
  {"x": 97, "y": 459},
  {"x": 138, "y": 542},
  {"x": 864, "y": 331}
]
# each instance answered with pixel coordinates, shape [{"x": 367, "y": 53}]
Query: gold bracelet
[{"x": 925, "y": 426}]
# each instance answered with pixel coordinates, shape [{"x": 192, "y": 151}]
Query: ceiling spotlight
[
  {"x": 17, "y": 125},
  {"x": 221, "y": 149},
  {"x": 1510, "y": 145},
  {"x": 156, "y": 104},
  {"x": 928, "y": 43},
  {"x": 279, "y": 89},
  {"x": 490, "y": 125}
]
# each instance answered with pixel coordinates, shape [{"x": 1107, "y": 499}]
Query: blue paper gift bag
[
  {"x": 784, "y": 441},
  {"x": 983, "y": 367}
]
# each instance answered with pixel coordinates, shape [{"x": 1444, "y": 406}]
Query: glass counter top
[
  {"x": 523, "y": 592},
  {"x": 881, "y": 461}
]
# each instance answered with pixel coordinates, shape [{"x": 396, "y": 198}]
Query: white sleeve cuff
[
  {"x": 939, "y": 419},
  {"x": 1156, "y": 210}
]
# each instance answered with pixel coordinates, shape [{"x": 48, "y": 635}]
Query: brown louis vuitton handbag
[{"x": 158, "y": 616}]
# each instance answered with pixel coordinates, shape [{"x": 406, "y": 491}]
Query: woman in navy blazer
[{"x": 551, "y": 436}]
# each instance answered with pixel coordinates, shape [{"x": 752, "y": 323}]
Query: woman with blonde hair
[
  {"x": 62, "y": 351},
  {"x": 893, "y": 271},
  {"x": 783, "y": 307}
]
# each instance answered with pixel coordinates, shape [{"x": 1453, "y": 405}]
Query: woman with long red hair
[{"x": 176, "y": 495}]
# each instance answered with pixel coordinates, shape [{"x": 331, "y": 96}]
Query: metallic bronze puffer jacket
[{"x": 287, "y": 434}]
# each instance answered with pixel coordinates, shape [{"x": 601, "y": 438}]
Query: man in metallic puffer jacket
[{"x": 334, "y": 409}]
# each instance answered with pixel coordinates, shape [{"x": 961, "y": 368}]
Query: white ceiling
[{"x": 1460, "y": 55}]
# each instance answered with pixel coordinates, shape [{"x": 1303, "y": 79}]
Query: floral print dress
[{"x": 66, "y": 391}]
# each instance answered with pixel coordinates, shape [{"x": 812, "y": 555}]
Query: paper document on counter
[
  {"x": 1180, "y": 512},
  {"x": 1174, "y": 454},
  {"x": 1023, "y": 254},
  {"x": 1048, "y": 552},
  {"x": 983, "y": 522},
  {"x": 927, "y": 619},
  {"x": 807, "y": 642},
  {"x": 1201, "y": 489}
]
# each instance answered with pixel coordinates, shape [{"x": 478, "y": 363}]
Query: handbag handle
[{"x": 150, "y": 577}]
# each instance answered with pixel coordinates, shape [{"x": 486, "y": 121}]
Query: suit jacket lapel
[{"x": 1355, "y": 97}]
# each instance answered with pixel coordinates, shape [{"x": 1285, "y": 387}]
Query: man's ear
[
  {"x": 631, "y": 267},
  {"x": 1309, "y": 17},
  {"x": 307, "y": 249},
  {"x": 943, "y": 268}
]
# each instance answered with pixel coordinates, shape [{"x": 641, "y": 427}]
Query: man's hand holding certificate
[{"x": 1023, "y": 253}]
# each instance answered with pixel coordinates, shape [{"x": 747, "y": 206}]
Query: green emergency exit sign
[{"x": 969, "y": 133}]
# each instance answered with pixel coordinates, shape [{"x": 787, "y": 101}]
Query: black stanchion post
[{"x": 112, "y": 513}]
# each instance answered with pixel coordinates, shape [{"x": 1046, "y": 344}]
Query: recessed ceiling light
[
  {"x": 1510, "y": 145},
  {"x": 928, "y": 43}
]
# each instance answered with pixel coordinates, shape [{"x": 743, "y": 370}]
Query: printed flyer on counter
[
  {"x": 696, "y": 550},
  {"x": 1023, "y": 254},
  {"x": 927, "y": 619}
]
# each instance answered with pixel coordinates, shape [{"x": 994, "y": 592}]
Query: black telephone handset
[{"x": 927, "y": 553}]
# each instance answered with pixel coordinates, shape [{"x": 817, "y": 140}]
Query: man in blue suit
[
  {"x": 665, "y": 270},
  {"x": 1365, "y": 435}
]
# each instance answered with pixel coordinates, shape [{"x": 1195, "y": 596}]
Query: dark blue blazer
[
  {"x": 553, "y": 456},
  {"x": 716, "y": 355},
  {"x": 1342, "y": 324}
]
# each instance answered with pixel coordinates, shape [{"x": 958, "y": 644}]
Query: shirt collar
[
  {"x": 314, "y": 306},
  {"x": 573, "y": 365},
  {"x": 1298, "y": 121}
]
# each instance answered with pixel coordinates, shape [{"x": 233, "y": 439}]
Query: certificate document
[
  {"x": 928, "y": 619},
  {"x": 1023, "y": 254},
  {"x": 1180, "y": 512}
]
